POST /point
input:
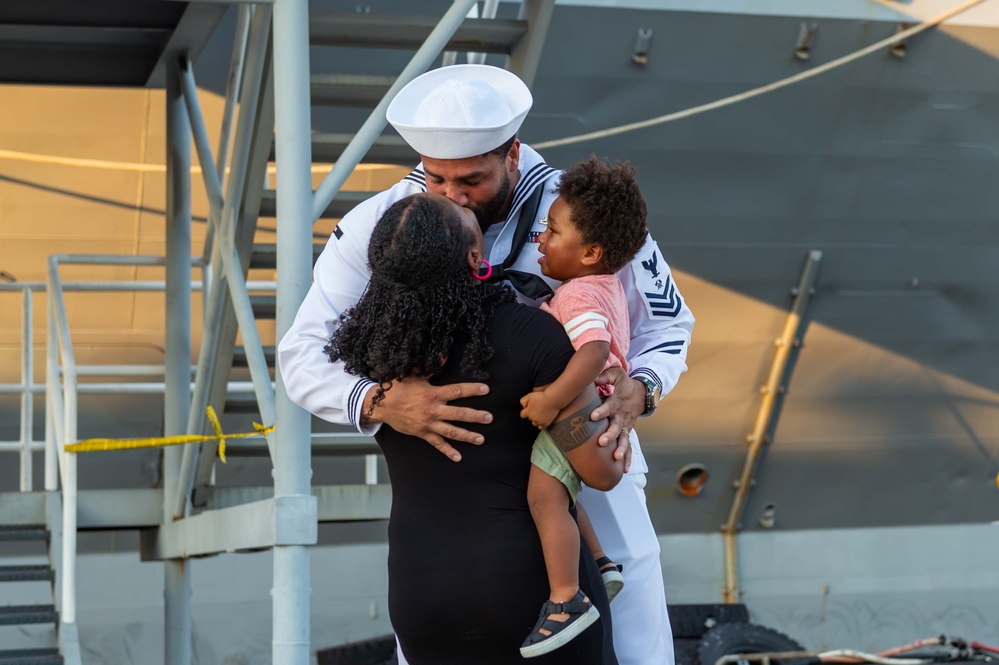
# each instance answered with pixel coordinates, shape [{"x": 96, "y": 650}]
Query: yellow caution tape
[{"x": 95, "y": 445}]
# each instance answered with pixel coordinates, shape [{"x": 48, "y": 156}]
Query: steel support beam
[
  {"x": 233, "y": 85},
  {"x": 217, "y": 335},
  {"x": 178, "y": 633},
  {"x": 122, "y": 510},
  {"x": 336, "y": 503},
  {"x": 255, "y": 134},
  {"x": 292, "y": 593},
  {"x": 526, "y": 55},
  {"x": 96, "y": 509},
  {"x": 279, "y": 522},
  {"x": 766, "y": 418}
]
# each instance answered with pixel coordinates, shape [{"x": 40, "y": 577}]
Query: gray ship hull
[{"x": 881, "y": 472}]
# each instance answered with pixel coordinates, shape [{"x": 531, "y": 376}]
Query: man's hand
[
  {"x": 416, "y": 408},
  {"x": 622, "y": 409},
  {"x": 538, "y": 409}
]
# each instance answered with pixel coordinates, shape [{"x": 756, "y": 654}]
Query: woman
[{"x": 466, "y": 570}]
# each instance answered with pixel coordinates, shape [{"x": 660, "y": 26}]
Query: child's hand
[{"x": 537, "y": 409}]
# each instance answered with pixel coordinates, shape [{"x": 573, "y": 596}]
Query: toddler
[{"x": 594, "y": 228}]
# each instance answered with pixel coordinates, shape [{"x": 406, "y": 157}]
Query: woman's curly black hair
[{"x": 420, "y": 296}]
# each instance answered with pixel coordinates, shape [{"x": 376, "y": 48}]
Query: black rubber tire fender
[
  {"x": 692, "y": 621},
  {"x": 733, "y": 638}
]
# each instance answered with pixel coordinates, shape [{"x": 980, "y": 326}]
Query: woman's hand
[
  {"x": 622, "y": 408},
  {"x": 414, "y": 407},
  {"x": 538, "y": 409}
]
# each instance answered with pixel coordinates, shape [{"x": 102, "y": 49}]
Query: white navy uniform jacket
[{"x": 661, "y": 322}]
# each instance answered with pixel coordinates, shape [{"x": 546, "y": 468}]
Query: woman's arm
[{"x": 576, "y": 435}]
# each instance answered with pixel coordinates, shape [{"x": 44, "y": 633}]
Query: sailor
[{"x": 463, "y": 120}]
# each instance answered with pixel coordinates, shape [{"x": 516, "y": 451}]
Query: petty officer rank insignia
[{"x": 656, "y": 284}]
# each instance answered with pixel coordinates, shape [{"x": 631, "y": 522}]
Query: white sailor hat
[{"x": 460, "y": 111}]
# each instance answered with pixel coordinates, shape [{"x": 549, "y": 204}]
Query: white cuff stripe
[
  {"x": 585, "y": 316},
  {"x": 355, "y": 402},
  {"x": 579, "y": 330}
]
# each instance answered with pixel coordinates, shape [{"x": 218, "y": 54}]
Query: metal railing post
[
  {"x": 27, "y": 397},
  {"x": 65, "y": 434},
  {"x": 51, "y": 396}
]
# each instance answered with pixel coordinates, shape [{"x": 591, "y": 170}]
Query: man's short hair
[
  {"x": 607, "y": 208},
  {"x": 504, "y": 149}
]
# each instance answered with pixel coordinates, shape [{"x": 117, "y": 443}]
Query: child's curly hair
[
  {"x": 607, "y": 208},
  {"x": 421, "y": 296}
]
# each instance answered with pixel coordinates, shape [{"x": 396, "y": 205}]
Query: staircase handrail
[
  {"x": 373, "y": 126},
  {"x": 26, "y": 387},
  {"x": 61, "y": 404}
]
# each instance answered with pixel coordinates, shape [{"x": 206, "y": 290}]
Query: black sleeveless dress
[{"x": 466, "y": 572}]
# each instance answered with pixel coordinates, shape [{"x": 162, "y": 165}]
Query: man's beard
[{"x": 488, "y": 213}]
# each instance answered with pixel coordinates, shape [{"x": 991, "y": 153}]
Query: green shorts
[{"x": 547, "y": 456}]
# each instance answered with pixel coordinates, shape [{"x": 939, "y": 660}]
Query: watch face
[{"x": 651, "y": 396}]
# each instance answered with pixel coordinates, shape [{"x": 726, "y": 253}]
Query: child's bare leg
[
  {"x": 568, "y": 612},
  {"x": 586, "y": 530},
  {"x": 609, "y": 571},
  {"x": 549, "y": 502}
]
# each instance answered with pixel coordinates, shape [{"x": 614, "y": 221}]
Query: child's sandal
[
  {"x": 581, "y": 613},
  {"x": 611, "y": 574}
]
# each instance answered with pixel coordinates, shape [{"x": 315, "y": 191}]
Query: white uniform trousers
[{"x": 642, "y": 634}]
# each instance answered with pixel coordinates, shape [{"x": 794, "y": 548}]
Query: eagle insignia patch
[{"x": 656, "y": 284}]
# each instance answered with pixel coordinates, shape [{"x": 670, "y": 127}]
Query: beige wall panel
[
  {"x": 50, "y": 201},
  {"x": 150, "y": 217},
  {"x": 148, "y": 313},
  {"x": 91, "y": 312},
  {"x": 94, "y": 123}
]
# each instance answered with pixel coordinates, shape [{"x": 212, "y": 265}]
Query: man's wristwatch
[{"x": 651, "y": 395}]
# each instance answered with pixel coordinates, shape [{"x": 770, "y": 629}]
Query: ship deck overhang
[{"x": 108, "y": 43}]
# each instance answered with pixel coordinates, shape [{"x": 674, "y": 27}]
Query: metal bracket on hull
[{"x": 766, "y": 418}]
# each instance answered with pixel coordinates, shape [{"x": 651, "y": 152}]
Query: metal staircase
[
  {"x": 25, "y": 615},
  {"x": 266, "y": 120},
  {"x": 334, "y": 92},
  {"x": 31, "y": 530}
]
